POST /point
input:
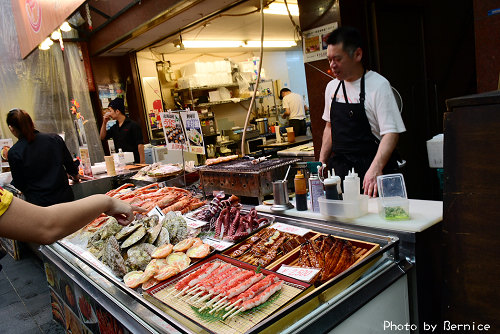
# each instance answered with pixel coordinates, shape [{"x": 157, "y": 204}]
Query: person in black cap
[{"x": 126, "y": 133}]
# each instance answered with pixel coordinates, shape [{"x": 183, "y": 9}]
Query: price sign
[
  {"x": 195, "y": 223},
  {"x": 303, "y": 274},
  {"x": 291, "y": 229},
  {"x": 156, "y": 212},
  {"x": 219, "y": 245}
]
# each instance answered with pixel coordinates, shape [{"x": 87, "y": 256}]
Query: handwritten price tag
[
  {"x": 291, "y": 229},
  {"x": 156, "y": 212},
  {"x": 303, "y": 274},
  {"x": 219, "y": 245},
  {"x": 195, "y": 223}
]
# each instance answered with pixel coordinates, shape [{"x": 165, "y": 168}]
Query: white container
[
  {"x": 435, "y": 151},
  {"x": 343, "y": 209}
]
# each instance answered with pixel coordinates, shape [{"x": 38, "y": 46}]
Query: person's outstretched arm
[{"x": 24, "y": 221}]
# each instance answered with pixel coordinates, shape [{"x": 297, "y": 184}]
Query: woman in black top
[{"x": 39, "y": 162}]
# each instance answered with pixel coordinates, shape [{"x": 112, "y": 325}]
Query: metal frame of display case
[{"x": 139, "y": 315}]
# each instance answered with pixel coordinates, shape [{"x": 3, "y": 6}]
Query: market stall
[{"x": 380, "y": 274}]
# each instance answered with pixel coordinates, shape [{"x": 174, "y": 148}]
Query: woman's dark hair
[
  {"x": 22, "y": 122},
  {"x": 349, "y": 37}
]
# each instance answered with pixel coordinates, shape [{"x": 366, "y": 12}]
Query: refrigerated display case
[{"x": 380, "y": 277}]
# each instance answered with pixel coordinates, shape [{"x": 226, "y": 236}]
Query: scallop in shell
[{"x": 134, "y": 237}]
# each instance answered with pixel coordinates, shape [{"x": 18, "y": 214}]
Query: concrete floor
[{"x": 25, "y": 305}]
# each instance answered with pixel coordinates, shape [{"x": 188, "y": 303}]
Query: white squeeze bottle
[
  {"x": 351, "y": 186},
  {"x": 121, "y": 160}
]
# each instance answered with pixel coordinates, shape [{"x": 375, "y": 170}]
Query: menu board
[
  {"x": 193, "y": 131},
  {"x": 5, "y": 145},
  {"x": 315, "y": 44},
  {"x": 179, "y": 126}
]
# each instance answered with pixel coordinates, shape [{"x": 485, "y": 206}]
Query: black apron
[{"x": 354, "y": 144}]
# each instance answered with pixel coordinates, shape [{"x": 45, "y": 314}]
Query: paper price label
[
  {"x": 302, "y": 274},
  {"x": 219, "y": 245},
  {"x": 156, "y": 212},
  {"x": 291, "y": 229},
  {"x": 195, "y": 223}
]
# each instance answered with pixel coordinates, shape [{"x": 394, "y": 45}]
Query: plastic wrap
[{"x": 38, "y": 84}]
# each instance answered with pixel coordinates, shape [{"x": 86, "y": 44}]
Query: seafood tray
[
  {"x": 270, "y": 238},
  {"x": 182, "y": 305},
  {"x": 361, "y": 250}
]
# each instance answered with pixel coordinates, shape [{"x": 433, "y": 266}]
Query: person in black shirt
[
  {"x": 126, "y": 133},
  {"x": 39, "y": 162}
]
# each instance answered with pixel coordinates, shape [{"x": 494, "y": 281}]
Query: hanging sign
[
  {"x": 315, "y": 42},
  {"x": 193, "y": 131}
]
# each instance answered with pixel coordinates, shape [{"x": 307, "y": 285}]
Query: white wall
[{"x": 288, "y": 67}]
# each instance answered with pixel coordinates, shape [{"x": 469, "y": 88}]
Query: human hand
[
  {"x": 106, "y": 117},
  {"x": 370, "y": 181},
  {"x": 122, "y": 211},
  {"x": 75, "y": 178}
]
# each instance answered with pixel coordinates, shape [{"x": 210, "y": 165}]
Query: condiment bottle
[
  {"x": 316, "y": 191},
  {"x": 332, "y": 186},
  {"x": 351, "y": 186},
  {"x": 300, "y": 191}
]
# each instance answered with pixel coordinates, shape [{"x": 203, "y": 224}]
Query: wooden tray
[
  {"x": 361, "y": 250},
  {"x": 163, "y": 294},
  {"x": 248, "y": 258}
]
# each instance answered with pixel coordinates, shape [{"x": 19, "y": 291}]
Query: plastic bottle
[
  {"x": 315, "y": 191},
  {"x": 300, "y": 191},
  {"x": 351, "y": 186},
  {"x": 332, "y": 186},
  {"x": 121, "y": 160}
]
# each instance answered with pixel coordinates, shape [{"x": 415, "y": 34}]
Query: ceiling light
[
  {"x": 55, "y": 35},
  {"x": 48, "y": 41},
  {"x": 270, "y": 44},
  {"x": 43, "y": 46},
  {"x": 236, "y": 44},
  {"x": 213, "y": 44},
  {"x": 65, "y": 27},
  {"x": 280, "y": 9}
]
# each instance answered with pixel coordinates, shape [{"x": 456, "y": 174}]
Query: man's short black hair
[
  {"x": 282, "y": 91},
  {"x": 349, "y": 37},
  {"x": 118, "y": 104}
]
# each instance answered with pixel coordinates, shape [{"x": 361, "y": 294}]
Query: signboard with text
[
  {"x": 315, "y": 42},
  {"x": 37, "y": 19}
]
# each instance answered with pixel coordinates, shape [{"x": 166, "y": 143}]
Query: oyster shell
[
  {"x": 113, "y": 258},
  {"x": 163, "y": 237},
  {"x": 126, "y": 231},
  {"x": 111, "y": 227},
  {"x": 176, "y": 226},
  {"x": 134, "y": 237},
  {"x": 154, "y": 232},
  {"x": 139, "y": 256},
  {"x": 152, "y": 221}
]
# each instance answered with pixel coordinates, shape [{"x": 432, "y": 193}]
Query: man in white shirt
[
  {"x": 363, "y": 122},
  {"x": 295, "y": 110}
]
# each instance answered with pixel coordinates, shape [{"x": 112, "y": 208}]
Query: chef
[{"x": 363, "y": 122}]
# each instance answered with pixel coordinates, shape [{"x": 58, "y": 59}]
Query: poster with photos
[{"x": 314, "y": 42}]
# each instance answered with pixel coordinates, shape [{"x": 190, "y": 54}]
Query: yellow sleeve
[{"x": 5, "y": 200}]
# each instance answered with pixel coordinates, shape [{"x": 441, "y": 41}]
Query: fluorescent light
[
  {"x": 270, "y": 44},
  {"x": 237, "y": 44},
  {"x": 212, "y": 44},
  {"x": 280, "y": 9},
  {"x": 55, "y": 35},
  {"x": 65, "y": 27}
]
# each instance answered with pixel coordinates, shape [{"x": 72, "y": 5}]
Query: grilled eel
[{"x": 345, "y": 261}]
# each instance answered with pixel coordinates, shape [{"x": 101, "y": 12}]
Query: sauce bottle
[
  {"x": 316, "y": 191},
  {"x": 351, "y": 186},
  {"x": 332, "y": 186},
  {"x": 300, "y": 191}
]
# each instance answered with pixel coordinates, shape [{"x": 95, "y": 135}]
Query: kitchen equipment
[
  {"x": 211, "y": 150},
  {"x": 252, "y": 145},
  {"x": 281, "y": 200},
  {"x": 237, "y": 132},
  {"x": 242, "y": 178},
  {"x": 262, "y": 125}
]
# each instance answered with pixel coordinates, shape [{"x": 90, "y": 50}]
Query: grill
[{"x": 242, "y": 178}]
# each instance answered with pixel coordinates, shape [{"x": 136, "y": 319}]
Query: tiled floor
[{"x": 24, "y": 297}]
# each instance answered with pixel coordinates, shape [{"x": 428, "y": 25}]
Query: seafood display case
[{"x": 108, "y": 297}]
